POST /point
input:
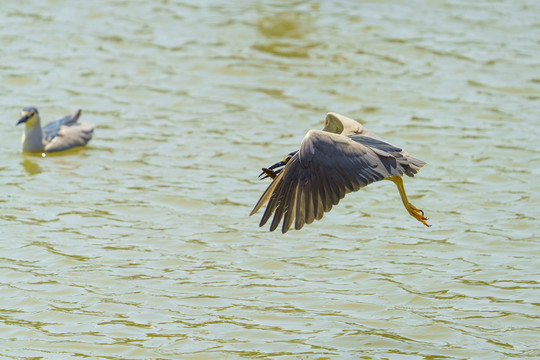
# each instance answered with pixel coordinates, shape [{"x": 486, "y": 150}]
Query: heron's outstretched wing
[
  {"x": 327, "y": 167},
  {"x": 71, "y": 136},
  {"x": 51, "y": 129}
]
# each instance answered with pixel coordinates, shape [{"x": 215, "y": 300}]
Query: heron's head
[
  {"x": 340, "y": 124},
  {"x": 29, "y": 116},
  {"x": 333, "y": 123}
]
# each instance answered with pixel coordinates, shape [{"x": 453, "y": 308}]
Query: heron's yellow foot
[
  {"x": 417, "y": 214},
  {"x": 411, "y": 209},
  {"x": 269, "y": 172}
]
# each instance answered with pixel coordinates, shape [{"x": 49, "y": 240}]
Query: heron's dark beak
[{"x": 23, "y": 119}]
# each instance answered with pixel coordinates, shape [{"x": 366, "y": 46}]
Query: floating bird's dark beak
[{"x": 23, "y": 119}]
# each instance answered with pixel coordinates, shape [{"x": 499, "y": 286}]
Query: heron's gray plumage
[
  {"x": 58, "y": 135},
  {"x": 340, "y": 159}
]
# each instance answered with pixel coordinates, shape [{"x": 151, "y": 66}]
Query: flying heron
[
  {"x": 58, "y": 135},
  {"x": 340, "y": 159}
]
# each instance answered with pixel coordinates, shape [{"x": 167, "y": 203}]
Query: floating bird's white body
[{"x": 58, "y": 135}]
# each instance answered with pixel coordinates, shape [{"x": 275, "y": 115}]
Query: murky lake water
[{"x": 140, "y": 245}]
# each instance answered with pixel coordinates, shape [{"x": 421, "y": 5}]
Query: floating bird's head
[{"x": 29, "y": 116}]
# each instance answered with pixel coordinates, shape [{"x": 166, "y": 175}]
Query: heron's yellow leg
[{"x": 415, "y": 213}]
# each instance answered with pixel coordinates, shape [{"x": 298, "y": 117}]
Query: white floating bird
[
  {"x": 340, "y": 159},
  {"x": 58, "y": 135}
]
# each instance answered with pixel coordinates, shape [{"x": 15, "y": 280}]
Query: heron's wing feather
[
  {"x": 71, "y": 136},
  {"x": 406, "y": 164},
  {"x": 375, "y": 143},
  {"x": 265, "y": 197},
  {"x": 51, "y": 129},
  {"x": 327, "y": 167}
]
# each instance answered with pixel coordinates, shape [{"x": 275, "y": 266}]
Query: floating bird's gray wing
[
  {"x": 71, "y": 136},
  {"x": 327, "y": 167},
  {"x": 51, "y": 129},
  {"x": 403, "y": 162}
]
